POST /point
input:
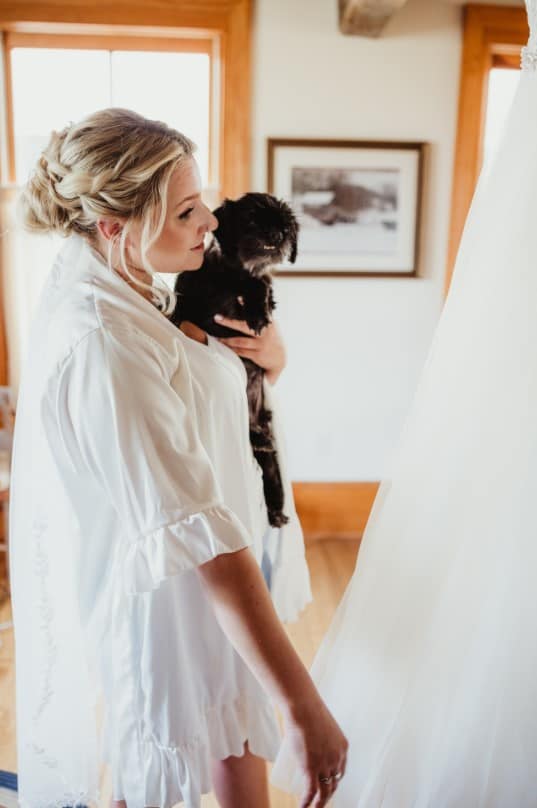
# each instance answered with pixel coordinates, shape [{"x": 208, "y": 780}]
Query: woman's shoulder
[{"x": 88, "y": 309}]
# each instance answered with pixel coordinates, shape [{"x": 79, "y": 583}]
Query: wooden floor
[{"x": 331, "y": 565}]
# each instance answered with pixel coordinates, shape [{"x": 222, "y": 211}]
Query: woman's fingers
[
  {"x": 266, "y": 349},
  {"x": 321, "y": 788},
  {"x": 324, "y": 792},
  {"x": 309, "y": 796},
  {"x": 240, "y": 342},
  {"x": 238, "y": 325},
  {"x": 253, "y": 355}
]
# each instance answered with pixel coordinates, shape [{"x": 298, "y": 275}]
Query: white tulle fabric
[
  {"x": 290, "y": 586},
  {"x": 430, "y": 665},
  {"x": 529, "y": 53},
  {"x": 132, "y": 466}
]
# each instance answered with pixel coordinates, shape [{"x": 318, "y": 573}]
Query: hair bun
[{"x": 43, "y": 206}]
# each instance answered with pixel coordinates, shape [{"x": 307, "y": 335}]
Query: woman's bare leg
[
  {"x": 118, "y": 804},
  {"x": 241, "y": 781}
]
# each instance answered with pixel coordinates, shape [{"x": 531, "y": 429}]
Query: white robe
[{"x": 132, "y": 466}]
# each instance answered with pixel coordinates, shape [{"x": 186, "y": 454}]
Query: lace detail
[
  {"x": 531, "y": 7},
  {"x": 529, "y": 53},
  {"x": 46, "y": 616},
  {"x": 69, "y": 800},
  {"x": 529, "y": 58}
]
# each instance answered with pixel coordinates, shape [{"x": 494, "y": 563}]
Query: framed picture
[{"x": 357, "y": 202}]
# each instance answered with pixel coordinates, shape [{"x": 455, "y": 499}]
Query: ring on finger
[{"x": 326, "y": 780}]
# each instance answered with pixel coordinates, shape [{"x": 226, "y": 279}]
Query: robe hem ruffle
[{"x": 182, "y": 773}]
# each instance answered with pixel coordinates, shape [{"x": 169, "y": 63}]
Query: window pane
[
  {"x": 502, "y": 87},
  {"x": 170, "y": 87},
  {"x": 50, "y": 89}
]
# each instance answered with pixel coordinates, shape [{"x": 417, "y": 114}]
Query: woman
[{"x": 132, "y": 575}]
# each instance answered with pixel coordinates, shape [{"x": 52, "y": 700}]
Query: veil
[{"x": 430, "y": 665}]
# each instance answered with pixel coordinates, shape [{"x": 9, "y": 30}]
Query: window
[
  {"x": 493, "y": 38},
  {"x": 54, "y": 80},
  {"x": 125, "y": 44},
  {"x": 503, "y": 82}
]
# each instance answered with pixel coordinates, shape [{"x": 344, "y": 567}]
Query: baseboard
[{"x": 334, "y": 510}]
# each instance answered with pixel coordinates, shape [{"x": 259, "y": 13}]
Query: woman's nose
[{"x": 213, "y": 221}]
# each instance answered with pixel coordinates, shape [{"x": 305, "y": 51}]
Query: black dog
[{"x": 254, "y": 233}]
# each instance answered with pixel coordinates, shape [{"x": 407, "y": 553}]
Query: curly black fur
[{"x": 254, "y": 233}]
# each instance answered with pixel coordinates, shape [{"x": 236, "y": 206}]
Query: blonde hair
[{"x": 114, "y": 163}]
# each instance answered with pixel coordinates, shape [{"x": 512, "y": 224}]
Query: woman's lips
[{"x": 199, "y": 247}]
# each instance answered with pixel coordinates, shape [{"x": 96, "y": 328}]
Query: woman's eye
[{"x": 186, "y": 213}]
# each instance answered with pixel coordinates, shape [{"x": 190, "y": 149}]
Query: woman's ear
[{"x": 109, "y": 228}]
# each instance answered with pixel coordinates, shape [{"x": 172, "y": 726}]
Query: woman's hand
[
  {"x": 321, "y": 750},
  {"x": 266, "y": 350}
]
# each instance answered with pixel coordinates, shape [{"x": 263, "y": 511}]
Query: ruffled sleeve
[{"x": 125, "y": 415}]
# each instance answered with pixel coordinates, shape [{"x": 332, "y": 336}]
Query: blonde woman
[{"x": 145, "y": 635}]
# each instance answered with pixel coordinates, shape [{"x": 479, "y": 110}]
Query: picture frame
[{"x": 358, "y": 203}]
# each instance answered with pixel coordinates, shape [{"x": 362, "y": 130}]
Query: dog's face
[{"x": 258, "y": 230}]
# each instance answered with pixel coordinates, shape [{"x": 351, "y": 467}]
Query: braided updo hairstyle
[{"x": 114, "y": 163}]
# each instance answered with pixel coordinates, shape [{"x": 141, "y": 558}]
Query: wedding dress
[{"x": 430, "y": 665}]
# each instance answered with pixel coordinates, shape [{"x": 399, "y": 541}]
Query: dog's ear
[
  {"x": 294, "y": 240},
  {"x": 225, "y": 232}
]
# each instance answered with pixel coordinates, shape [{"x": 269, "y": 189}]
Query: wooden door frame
[{"x": 492, "y": 37}]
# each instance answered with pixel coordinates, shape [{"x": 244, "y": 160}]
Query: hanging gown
[
  {"x": 430, "y": 665},
  {"x": 132, "y": 466}
]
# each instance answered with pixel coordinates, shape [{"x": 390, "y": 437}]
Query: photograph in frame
[{"x": 357, "y": 202}]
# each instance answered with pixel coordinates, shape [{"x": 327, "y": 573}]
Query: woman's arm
[
  {"x": 244, "y": 610},
  {"x": 266, "y": 349}
]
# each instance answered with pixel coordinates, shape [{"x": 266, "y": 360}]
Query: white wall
[{"x": 356, "y": 346}]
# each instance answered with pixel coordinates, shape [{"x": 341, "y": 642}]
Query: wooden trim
[
  {"x": 507, "y": 60},
  {"x": 10, "y": 135},
  {"x": 6, "y": 196},
  {"x": 229, "y": 21},
  {"x": 82, "y": 28},
  {"x": 30, "y": 15},
  {"x": 490, "y": 33},
  {"x": 334, "y": 510},
  {"x": 110, "y": 42},
  {"x": 237, "y": 68}
]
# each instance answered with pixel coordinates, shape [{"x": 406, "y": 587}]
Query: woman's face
[{"x": 180, "y": 244}]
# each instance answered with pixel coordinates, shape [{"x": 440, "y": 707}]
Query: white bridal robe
[{"x": 132, "y": 466}]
